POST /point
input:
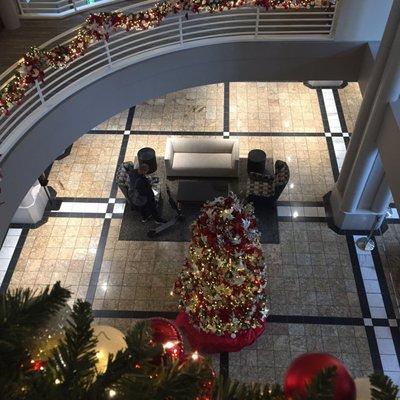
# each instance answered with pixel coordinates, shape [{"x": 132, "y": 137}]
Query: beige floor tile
[
  {"x": 351, "y": 99},
  {"x": 274, "y": 107},
  {"x": 198, "y": 109},
  {"x": 90, "y": 168},
  {"x": 117, "y": 122},
  {"x": 42, "y": 264}
]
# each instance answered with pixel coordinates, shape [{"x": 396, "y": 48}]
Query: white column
[
  {"x": 9, "y": 14},
  {"x": 370, "y": 93},
  {"x": 362, "y": 192}
]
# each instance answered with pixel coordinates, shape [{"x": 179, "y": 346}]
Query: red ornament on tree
[
  {"x": 168, "y": 335},
  {"x": 304, "y": 368},
  {"x": 222, "y": 287}
]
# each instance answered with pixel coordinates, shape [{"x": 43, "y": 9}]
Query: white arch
[{"x": 49, "y": 131}]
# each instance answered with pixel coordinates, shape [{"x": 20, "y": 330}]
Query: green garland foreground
[{"x": 70, "y": 369}]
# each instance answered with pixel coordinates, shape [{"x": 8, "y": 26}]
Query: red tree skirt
[{"x": 211, "y": 343}]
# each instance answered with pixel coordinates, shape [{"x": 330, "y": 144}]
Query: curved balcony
[{"x": 175, "y": 33}]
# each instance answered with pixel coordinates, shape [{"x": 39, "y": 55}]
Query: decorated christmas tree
[{"x": 222, "y": 285}]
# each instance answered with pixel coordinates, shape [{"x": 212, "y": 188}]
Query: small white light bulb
[{"x": 168, "y": 345}]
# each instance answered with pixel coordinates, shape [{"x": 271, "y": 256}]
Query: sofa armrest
[
  {"x": 169, "y": 151},
  {"x": 169, "y": 156},
  {"x": 235, "y": 155}
]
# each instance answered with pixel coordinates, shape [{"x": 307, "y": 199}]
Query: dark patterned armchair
[
  {"x": 123, "y": 181},
  {"x": 268, "y": 188}
]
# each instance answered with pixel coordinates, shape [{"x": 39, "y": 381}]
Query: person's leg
[
  {"x": 145, "y": 213},
  {"x": 152, "y": 208}
]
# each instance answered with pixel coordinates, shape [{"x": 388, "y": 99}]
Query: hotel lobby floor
[{"x": 324, "y": 294}]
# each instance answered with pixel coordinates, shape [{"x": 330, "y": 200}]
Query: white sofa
[{"x": 217, "y": 158}]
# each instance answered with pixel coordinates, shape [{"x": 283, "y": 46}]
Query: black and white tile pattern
[{"x": 377, "y": 322}]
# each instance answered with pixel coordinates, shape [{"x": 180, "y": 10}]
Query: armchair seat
[{"x": 268, "y": 187}]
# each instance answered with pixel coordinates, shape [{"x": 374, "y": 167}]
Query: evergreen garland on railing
[
  {"x": 98, "y": 27},
  {"x": 143, "y": 370}
]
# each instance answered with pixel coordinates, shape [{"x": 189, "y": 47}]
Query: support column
[
  {"x": 361, "y": 192},
  {"x": 9, "y": 14}
]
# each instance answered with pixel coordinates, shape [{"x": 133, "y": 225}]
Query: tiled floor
[
  {"x": 89, "y": 170},
  {"x": 117, "y": 122},
  {"x": 274, "y": 107},
  {"x": 198, "y": 109},
  {"x": 351, "y": 99},
  {"x": 62, "y": 250},
  {"x": 138, "y": 275},
  {"x": 310, "y": 272},
  {"x": 389, "y": 248},
  {"x": 268, "y": 358},
  {"x": 324, "y": 295}
]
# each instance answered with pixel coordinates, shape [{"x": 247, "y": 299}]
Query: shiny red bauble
[
  {"x": 304, "y": 368},
  {"x": 166, "y": 333}
]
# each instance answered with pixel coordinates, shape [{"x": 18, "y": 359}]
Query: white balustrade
[{"x": 174, "y": 33}]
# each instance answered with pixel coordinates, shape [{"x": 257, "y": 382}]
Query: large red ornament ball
[
  {"x": 167, "y": 334},
  {"x": 304, "y": 368}
]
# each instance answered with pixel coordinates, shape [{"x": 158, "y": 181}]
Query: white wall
[{"x": 362, "y": 20}]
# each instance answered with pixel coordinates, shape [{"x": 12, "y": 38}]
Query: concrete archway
[{"x": 119, "y": 90}]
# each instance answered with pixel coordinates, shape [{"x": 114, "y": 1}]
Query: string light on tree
[{"x": 222, "y": 286}]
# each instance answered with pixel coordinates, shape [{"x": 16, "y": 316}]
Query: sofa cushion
[
  {"x": 185, "y": 145},
  {"x": 201, "y": 161}
]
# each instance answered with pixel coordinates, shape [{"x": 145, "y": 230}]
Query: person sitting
[{"x": 142, "y": 194}]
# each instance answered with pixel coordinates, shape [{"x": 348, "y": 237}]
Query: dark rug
[{"x": 133, "y": 229}]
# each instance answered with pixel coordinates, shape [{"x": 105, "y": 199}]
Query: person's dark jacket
[{"x": 141, "y": 185}]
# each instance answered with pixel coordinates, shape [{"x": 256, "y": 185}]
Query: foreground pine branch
[
  {"x": 141, "y": 371},
  {"x": 227, "y": 389},
  {"x": 73, "y": 361},
  {"x": 322, "y": 386},
  {"x": 22, "y": 313},
  {"x": 383, "y": 388}
]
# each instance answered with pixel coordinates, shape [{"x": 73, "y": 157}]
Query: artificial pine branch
[
  {"x": 72, "y": 362},
  {"x": 149, "y": 381},
  {"x": 22, "y": 313},
  {"x": 227, "y": 389},
  {"x": 322, "y": 386},
  {"x": 140, "y": 345},
  {"x": 383, "y": 388},
  {"x": 181, "y": 382},
  {"x": 118, "y": 365}
]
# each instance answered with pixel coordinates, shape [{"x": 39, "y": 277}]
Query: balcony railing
[
  {"x": 176, "y": 32},
  {"x": 57, "y": 8}
]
